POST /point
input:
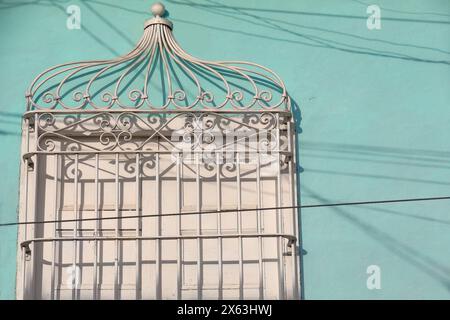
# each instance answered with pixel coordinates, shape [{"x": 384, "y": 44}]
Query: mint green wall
[{"x": 375, "y": 115}]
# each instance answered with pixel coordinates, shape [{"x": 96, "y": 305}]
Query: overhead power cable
[{"x": 340, "y": 204}]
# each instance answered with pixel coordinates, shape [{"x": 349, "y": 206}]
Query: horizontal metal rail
[
  {"x": 30, "y": 114},
  {"x": 291, "y": 238},
  {"x": 29, "y": 155}
]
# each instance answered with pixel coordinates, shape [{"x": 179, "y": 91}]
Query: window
[{"x": 183, "y": 199}]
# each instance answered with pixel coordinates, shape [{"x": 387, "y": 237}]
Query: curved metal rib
[{"x": 257, "y": 85}]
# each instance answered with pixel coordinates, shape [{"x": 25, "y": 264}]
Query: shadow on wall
[
  {"x": 402, "y": 250},
  {"x": 10, "y": 119},
  {"x": 378, "y": 155},
  {"x": 248, "y": 15},
  {"x": 295, "y": 31},
  {"x": 400, "y": 157}
]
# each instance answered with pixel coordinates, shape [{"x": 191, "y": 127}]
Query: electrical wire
[{"x": 229, "y": 211}]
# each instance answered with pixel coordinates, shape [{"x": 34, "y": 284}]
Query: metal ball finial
[{"x": 158, "y": 9}]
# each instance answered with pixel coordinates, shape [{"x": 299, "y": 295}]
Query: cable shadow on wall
[
  {"x": 403, "y": 250},
  {"x": 248, "y": 15}
]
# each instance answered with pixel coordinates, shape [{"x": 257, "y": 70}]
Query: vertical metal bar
[
  {"x": 219, "y": 227},
  {"x": 32, "y": 231},
  {"x": 25, "y": 228},
  {"x": 293, "y": 186},
  {"x": 199, "y": 231},
  {"x": 158, "y": 229},
  {"x": 116, "y": 242},
  {"x": 96, "y": 230},
  {"x": 279, "y": 215},
  {"x": 239, "y": 226},
  {"x": 294, "y": 274},
  {"x": 138, "y": 227},
  {"x": 179, "y": 243},
  {"x": 75, "y": 232},
  {"x": 289, "y": 137},
  {"x": 258, "y": 229},
  {"x": 55, "y": 218}
]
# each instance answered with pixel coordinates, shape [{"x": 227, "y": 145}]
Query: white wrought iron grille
[{"x": 158, "y": 176}]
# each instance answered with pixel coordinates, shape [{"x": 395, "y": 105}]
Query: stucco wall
[{"x": 373, "y": 107}]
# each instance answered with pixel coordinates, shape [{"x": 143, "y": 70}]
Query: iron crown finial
[{"x": 158, "y": 9}]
